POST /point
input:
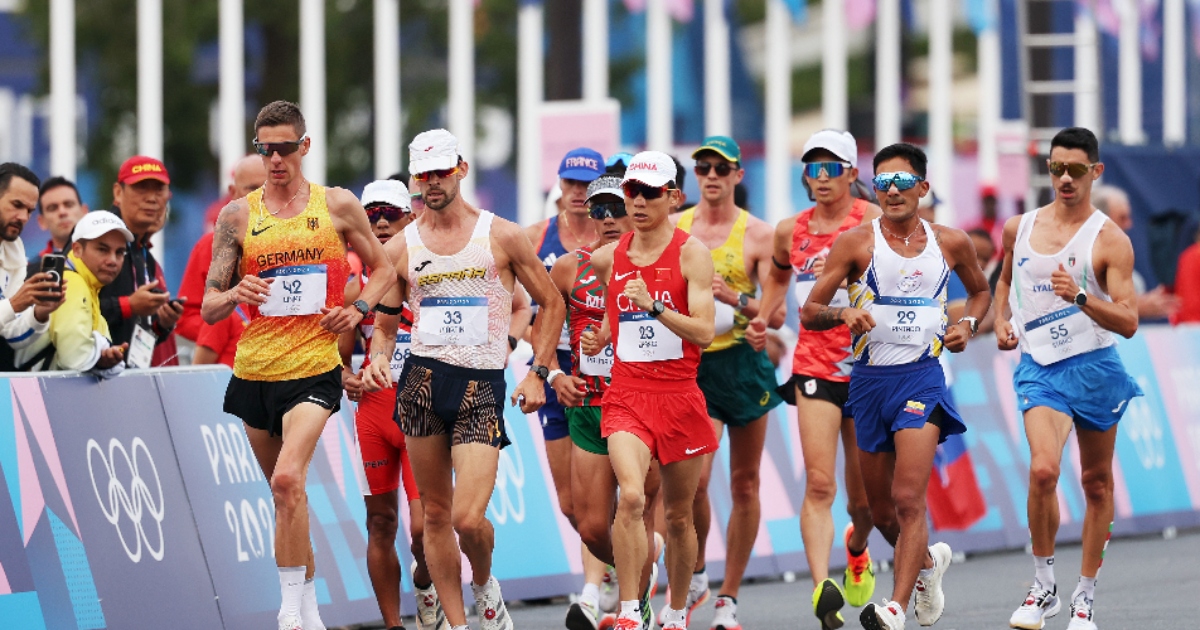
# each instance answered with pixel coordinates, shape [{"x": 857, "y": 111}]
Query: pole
[
  {"x": 1087, "y": 74},
  {"x": 941, "y": 116},
  {"x": 62, "y": 88},
  {"x": 231, "y": 104},
  {"x": 595, "y": 50},
  {"x": 529, "y": 99},
  {"x": 462, "y": 83},
  {"x": 834, "y": 109},
  {"x": 778, "y": 113},
  {"x": 312, "y": 85},
  {"x": 387, "y": 88},
  {"x": 888, "y": 106},
  {"x": 989, "y": 101},
  {"x": 659, "y": 115},
  {"x": 1129, "y": 75},
  {"x": 1174, "y": 73},
  {"x": 718, "y": 116},
  {"x": 150, "y": 87}
]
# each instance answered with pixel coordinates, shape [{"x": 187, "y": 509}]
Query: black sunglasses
[
  {"x": 284, "y": 149},
  {"x": 633, "y": 189},
  {"x": 611, "y": 209},
  {"x": 723, "y": 168},
  {"x": 391, "y": 213}
]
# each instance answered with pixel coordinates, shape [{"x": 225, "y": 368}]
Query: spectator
[
  {"x": 60, "y": 208},
  {"x": 680, "y": 177},
  {"x": 1156, "y": 304},
  {"x": 136, "y": 300},
  {"x": 25, "y": 305},
  {"x": 79, "y": 337},
  {"x": 249, "y": 174},
  {"x": 1187, "y": 285}
]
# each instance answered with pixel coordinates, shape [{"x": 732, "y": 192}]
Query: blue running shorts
[
  {"x": 554, "y": 419},
  {"x": 1093, "y": 388},
  {"x": 888, "y": 398}
]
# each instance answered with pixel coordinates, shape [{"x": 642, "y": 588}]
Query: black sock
[
  {"x": 729, "y": 597},
  {"x": 856, "y": 553},
  {"x": 702, "y": 570},
  {"x": 423, "y": 588}
]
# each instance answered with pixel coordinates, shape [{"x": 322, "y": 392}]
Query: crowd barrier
[{"x": 136, "y": 502}]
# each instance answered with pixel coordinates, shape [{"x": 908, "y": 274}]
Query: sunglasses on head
[
  {"x": 284, "y": 149},
  {"x": 723, "y": 168},
  {"x": 608, "y": 210},
  {"x": 442, "y": 173},
  {"x": 633, "y": 189},
  {"x": 902, "y": 181},
  {"x": 833, "y": 169},
  {"x": 391, "y": 213},
  {"x": 1075, "y": 169}
]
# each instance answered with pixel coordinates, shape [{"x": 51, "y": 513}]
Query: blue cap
[{"x": 581, "y": 164}]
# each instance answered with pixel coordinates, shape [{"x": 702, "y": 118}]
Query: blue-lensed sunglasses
[
  {"x": 833, "y": 169},
  {"x": 902, "y": 181}
]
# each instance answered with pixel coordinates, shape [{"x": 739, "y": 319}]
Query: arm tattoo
[
  {"x": 225, "y": 251},
  {"x": 827, "y": 318}
]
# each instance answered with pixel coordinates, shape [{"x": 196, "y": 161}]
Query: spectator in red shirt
[
  {"x": 249, "y": 174},
  {"x": 1187, "y": 285},
  {"x": 217, "y": 343}
]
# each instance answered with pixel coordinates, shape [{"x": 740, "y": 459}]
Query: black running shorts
[{"x": 262, "y": 404}]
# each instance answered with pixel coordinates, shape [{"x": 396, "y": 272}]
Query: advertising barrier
[{"x": 136, "y": 502}]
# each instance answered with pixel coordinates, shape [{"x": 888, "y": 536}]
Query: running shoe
[
  {"x": 647, "y": 607},
  {"x": 1038, "y": 605},
  {"x": 888, "y": 616},
  {"x": 582, "y": 616},
  {"x": 1081, "y": 614},
  {"x": 696, "y": 598},
  {"x": 291, "y": 622},
  {"x": 628, "y": 623},
  {"x": 725, "y": 614},
  {"x": 610, "y": 597},
  {"x": 859, "y": 579},
  {"x": 929, "y": 598},
  {"x": 827, "y": 603},
  {"x": 607, "y": 622},
  {"x": 430, "y": 615},
  {"x": 489, "y": 604}
]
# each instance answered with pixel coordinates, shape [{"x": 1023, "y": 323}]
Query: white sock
[
  {"x": 478, "y": 589},
  {"x": 462, "y": 627},
  {"x": 309, "y": 613},
  {"x": 590, "y": 594},
  {"x": 671, "y": 615},
  {"x": 1043, "y": 567},
  {"x": 1087, "y": 586},
  {"x": 291, "y": 587},
  {"x": 699, "y": 581},
  {"x": 631, "y": 609}
]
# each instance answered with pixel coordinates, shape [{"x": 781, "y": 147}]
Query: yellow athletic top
[
  {"x": 305, "y": 257},
  {"x": 729, "y": 260}
]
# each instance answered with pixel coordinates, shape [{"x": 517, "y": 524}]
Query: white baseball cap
[
  {"x": 432, "y": 150},
  {"x": 387, "y": 191},
  {"x": 605, "y": 185},
  {"x": 652, "y": 168},
  {"x": 97, "y": 223},
  {"x": 839, "y": 143}
]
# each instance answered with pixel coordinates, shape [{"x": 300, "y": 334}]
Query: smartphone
[{"x": 54, "y": 264}]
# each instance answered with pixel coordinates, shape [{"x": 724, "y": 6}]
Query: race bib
[
  {"x": 453, "y": 321},
  {"x": 906, "y": 321},
  {"x": 400, "y": 354},
  {"x": 599, "y": 365},
  {"x": 1060, "y": 335},
  {"x": 297, "y": 290},
  {"x": 804, "y": 286},
  {"x": 643, "y": 339}
]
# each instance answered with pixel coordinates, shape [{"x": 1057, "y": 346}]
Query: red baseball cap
[{"x": 140, "y": 167}]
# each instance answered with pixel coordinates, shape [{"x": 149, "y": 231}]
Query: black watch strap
[
  {"x": 362, "y": 307},
  {"x": 542, "y": 371}
]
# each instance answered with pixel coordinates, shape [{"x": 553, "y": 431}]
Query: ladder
[{"x": 1043, "y": 87}]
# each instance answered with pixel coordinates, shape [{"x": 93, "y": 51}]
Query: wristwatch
[
  {"x": 657, "y": 308},
  {"x": 974, "y": 322},
  {"x": 553, "y": 375},
  {"x": 361, "y": 307},
  {"x": 542, "y": 371},
  {"x": 743, "y": 301},
  {"x": 1081, "y": 298}
]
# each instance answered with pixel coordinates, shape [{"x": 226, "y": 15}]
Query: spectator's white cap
[
  {"x": 97, "y": 223},
  {"x": 652, "y": 168},
  {"x": 839, "y": 143},
  {"x": 432, "y": 151},
  {"x": 388, "y": 192}
]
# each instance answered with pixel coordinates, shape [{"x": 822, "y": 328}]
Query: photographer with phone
[{"x": 25, "y": 304}]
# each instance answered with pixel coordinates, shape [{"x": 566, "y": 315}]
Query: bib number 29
[{"x": 906, "y": 317}]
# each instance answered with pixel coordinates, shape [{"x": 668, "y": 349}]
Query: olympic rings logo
[
  {"x": 508, "y": 500},
  {"x": 137, "y": 501}
]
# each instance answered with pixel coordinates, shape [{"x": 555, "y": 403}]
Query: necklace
[
  {"x": 262, "y": 217},
  {"x": 564, "y": 221},
  {"x": 899, "y": 238}
]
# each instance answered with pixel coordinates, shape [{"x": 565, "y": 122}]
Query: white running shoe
[
  {"x": 1081, "y": 614},
  {"x": 698, "y": 594},
  {"x": 291, "y": 622},
  {"x": 430, "y": 615},
  {"x": 886, "y": 616},
  {"x": 725, "y": 614},
  {"x": 610, "y": 597},
  {"x": 929, "y": 598},
  {"x": 582, "y": 615},
  {"x": 1038, "y": 605},
  {"x": 489, "y": 604}
]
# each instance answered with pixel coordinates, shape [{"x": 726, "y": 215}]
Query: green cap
[{"x": 721, "y": 145}]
